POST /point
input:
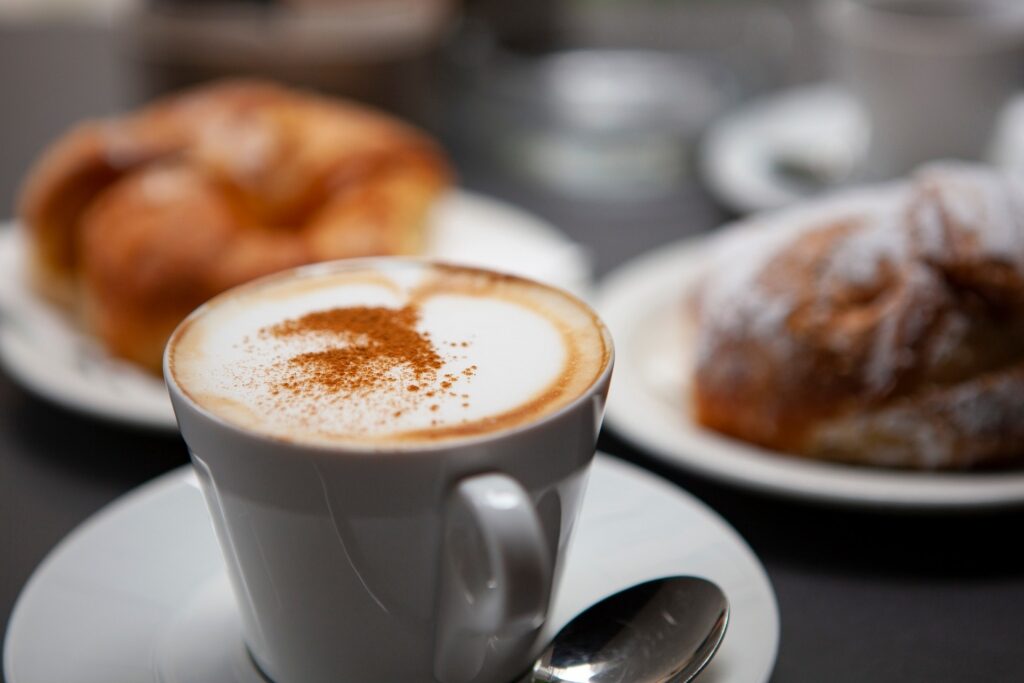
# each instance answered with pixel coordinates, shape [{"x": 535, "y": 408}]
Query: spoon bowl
[{"x": 660, "y": 631}]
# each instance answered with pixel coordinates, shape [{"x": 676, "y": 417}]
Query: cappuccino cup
[
  {"x": 393, "y": 453},
  {"x": 932, "y": 76}
]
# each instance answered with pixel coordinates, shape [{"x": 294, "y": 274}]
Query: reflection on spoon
[{"x": 661, "y": 631}]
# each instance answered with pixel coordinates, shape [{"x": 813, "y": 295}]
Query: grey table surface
[{"x": 863, "y": 596}]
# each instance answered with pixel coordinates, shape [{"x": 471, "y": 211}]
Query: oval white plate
[
  {"x": 42, "y": 348},
  {"x": 643, "y": 305},
  {"x": 820, "y": 124},
  {"x": 138, "y": 592}
]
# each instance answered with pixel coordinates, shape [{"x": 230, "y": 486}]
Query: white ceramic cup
[
  {"x": 932, "y": 75},
  {"x": 414, "y": 564}
]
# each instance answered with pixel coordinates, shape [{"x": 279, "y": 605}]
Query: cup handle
[{"x": 495, "y": 573}]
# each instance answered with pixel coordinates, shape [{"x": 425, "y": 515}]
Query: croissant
[
  {"x": 135, "y": 221},
  {"x": 885, "y": 328}
]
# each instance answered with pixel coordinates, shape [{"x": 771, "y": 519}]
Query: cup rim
[{"x": 375, "y": 449}]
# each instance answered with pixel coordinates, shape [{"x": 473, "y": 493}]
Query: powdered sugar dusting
[
  {"x": 858, "y": 259},
  {"x": 880, "y": 325},
  {"x": 736, "y": 302},
  {"x": 732, "y": 300},
  {"x": 901, "y": 328},
  {"x": 950, "y": 211},
  {"x": 971, "y": 208}
]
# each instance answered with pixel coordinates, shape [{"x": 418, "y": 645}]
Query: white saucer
[
  {"x": 138, "y": 592},
  {"x": 643, "y": 305},
  {"x": 818, "y": 125},
  {"x": 42, "y": 348}
]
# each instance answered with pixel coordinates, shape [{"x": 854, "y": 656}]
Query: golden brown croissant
[
  {"x": 137, "y": 220},
  {"x": 884, "y": 328}
]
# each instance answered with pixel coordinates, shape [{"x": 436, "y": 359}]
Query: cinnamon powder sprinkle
[
  {"x": 373, "y": 360},
  {"x": 376, "y": 342}
]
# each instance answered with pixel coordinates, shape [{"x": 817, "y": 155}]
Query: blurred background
[
  {"x": 595, "y": 114},
  {"x": 585, "y": 111}
]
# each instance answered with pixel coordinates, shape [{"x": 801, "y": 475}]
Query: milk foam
[{"x": 510, "y": 351}]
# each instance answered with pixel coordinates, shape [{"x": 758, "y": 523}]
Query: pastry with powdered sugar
[{"x": 881, "y": 326}]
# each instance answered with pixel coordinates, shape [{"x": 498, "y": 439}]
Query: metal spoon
[{"x": 661, "y": 631}]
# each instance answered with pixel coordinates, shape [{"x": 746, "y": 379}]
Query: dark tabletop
[{"x": 863, "y": 596}]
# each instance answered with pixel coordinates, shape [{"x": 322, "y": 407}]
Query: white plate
[
  {"x": 643, "y": 305},
  {"x": 42, "y": 348},
  {"x": 819, "y": 124},
  {"x": 138, "y": 592}
]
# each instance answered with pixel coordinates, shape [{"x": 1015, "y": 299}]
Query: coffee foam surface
[{"x": 507, "y": 352}]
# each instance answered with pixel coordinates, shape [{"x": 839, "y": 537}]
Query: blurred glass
[
  {"x": 754, "y": 40},
  {"x": 605, "y": 100},
  {"x": 931, "y": 75}
]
